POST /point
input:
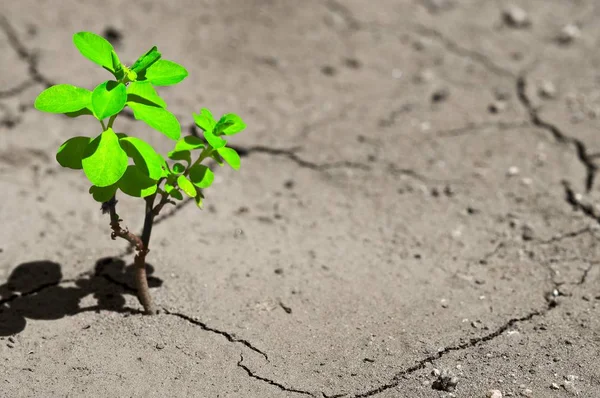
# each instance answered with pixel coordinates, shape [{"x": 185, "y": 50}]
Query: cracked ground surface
[{"x": 410, "y": 199}]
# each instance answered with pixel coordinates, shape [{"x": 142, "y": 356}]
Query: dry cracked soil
[{"x": 416, "y": 214}]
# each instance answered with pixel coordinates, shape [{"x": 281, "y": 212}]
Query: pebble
[
  {"x": 516, "y": 17},
  {"x": 497, "y": 107},
  {"x": 569, "y": 33},
  {"x": 446, "y": 381},
  {"x": 494, "y": 394},
  {"x": 424, "y": 76},
  {"x": 444, "y": 303},
  {"x": 547, "y": 89},
  {"x": 554, "y": 386},
  {"x": 527, "y": 392},
  {"x": 527, "y": 232},
  {"x": 11, "y": 339},
  {"x": 160, "y": 346},
  {"x": 512, "y": 171},
  {"x": 440, "y": 95}
]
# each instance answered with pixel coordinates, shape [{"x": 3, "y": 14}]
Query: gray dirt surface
[{"x": 417, "y": 198}]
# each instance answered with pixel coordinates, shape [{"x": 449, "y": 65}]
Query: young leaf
[
  {"x": 117, "y": 66},
  {"x": 144, "y": 156},
  {"x": 95, "y": 48},
  {"x": 146, "y": 60},
  {"x": 230, "y": 156},
  {"x": 201, "y": 176},
  {"x": 229, "y": 124},
  {"x": 186, "y": 186},
  {"x": 103, "y": 194},
  {"x": 158, "y": 118},
  {"x": 143, "y": 91},
  {"x": 71, "y": 151},
  {"x": 205, "y": 120},
  {"x": 165, "y": 73},
  {"x": 104, "y": 161},
  {"x": 214, "y": 141},
  {"x": 108, "y": 99},
  {"x": 178, "y": 168},
  {"x": 136, "y": 183},
  {"x": 63, "y": 98},
  {"x": 198, "y": 198}
]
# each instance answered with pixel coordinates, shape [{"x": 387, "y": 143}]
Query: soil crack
[
  {"x": 250, "y": 373},
  {"x": 469, "y": 344},
  {"x": 580, "y": 148},
  {"x": 229, "y": 336}
]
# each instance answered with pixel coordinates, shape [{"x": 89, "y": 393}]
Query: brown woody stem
[{"x": 141, "y": 246}]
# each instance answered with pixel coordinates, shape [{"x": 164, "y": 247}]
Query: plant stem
[
  {"x": 112, "y": 120},
  {"x": 141, "y": 246}
]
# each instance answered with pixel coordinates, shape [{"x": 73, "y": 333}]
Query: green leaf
[
  {"x": 198, "y": 198},
  {"x": 201, "y": 176},
  {"x": 186, "y": 186},
  {"x": 158, "y": 118},
  {"x": 164, "y": 73},
  {"x": 176, "y": 194},
  {"x": 188, "y": 143},
  {"x": 117, "y": 66},
  {"x": 136, "y": 183},
  {"x": 63, "y": 98},
  {"x": 104, "y": 161},
  {"x": 229, "y": 124},
  {"x": 178, "y": 168},
  {"x": 71, "y": 151},
  {"x": 95, "y": 48},
  {"x": 108, "y": 99},
  {"x": 230, "y": 156},
  {"x": 81, "y": 112},
  {"x": 144, "y": 92},
  {"x": 180, "y": 155},
  {"x": 214, "y": 141},
  {"x": 103, "y": 194},
  {"x": 144, "y": 156},
  {"x": 146, "y": 60},
  {"x": 205, "y": 120}
]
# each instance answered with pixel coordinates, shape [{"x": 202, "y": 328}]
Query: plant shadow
[{"x": 37, "y": 290}]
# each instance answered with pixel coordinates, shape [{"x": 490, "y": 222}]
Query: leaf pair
[
  {"x": 104, "y": 161},
  {"x": 149, "y": 67}
]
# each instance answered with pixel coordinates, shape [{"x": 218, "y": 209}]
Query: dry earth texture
[{"x": 416, "y": 214}]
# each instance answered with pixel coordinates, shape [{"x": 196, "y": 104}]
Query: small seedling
[{"x": 113, "y": 161}]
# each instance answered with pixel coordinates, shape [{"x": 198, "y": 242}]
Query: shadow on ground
[{"x": 37, "y": 290}]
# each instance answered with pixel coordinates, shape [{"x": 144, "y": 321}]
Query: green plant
[{"x": 114, "y": 161}]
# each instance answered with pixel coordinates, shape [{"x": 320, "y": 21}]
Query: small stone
[
  {"x": 554, "y": 386},
  {"x": 527, "y": 233},
  {"x": 160, "y": 346},
  {"x": 424, "y": 76},
  {"x": 571, "y": 378},
  {"x": 526, "y": 181},
  {"x": 11, "y": 339},
  {"x": 512, "y": 171},
  {"x": 444, "y": 303},
  {"x": 497, "y": 107},
  {"x": 527, "y": 392},
  {"x": 569, "y": 386},
  {"x": 10, "y": 345},
  {"x": 446, "y": 381},
  {"x": 435, "y": 372},
  {"x": 568, "y": 33},
  {"x": 547, "y": 89},
  {"x": 516, "y": 17},
  {"x": 440, "y": 95},
  {"x": 494, "y": 394}
]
